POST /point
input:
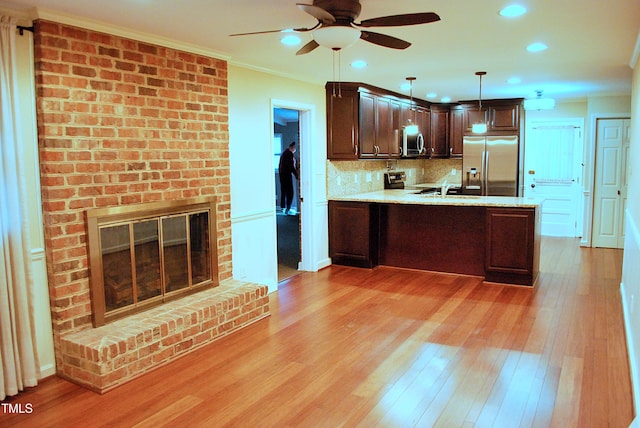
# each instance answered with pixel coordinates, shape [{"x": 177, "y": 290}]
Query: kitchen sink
[{"x": 463, "y": 196}]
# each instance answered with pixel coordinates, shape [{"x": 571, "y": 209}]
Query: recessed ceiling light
[
  {"x": 513, "y": 11},
  {"x": 514, "y": 80},
  {"x": 445, "y": 99},
  {"x": 290, "y": 40},
  {"x": 431, "y": 95},
  {"x": 359, "y": 64},
  {"x": 405, "y": 86},
  {"x": 537, "y": 47}
]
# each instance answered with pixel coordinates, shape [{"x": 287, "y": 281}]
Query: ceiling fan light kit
[{"x": 336, "y": 37}]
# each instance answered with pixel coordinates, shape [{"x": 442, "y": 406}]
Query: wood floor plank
[
  {"x": 566, "y": 412},
  {"x": 391, "y": 347}
]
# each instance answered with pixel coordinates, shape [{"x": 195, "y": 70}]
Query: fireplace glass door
[{"x": 146, "y": 259}]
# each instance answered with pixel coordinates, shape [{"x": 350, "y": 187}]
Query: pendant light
[
  {"x": 411, "y": 128},
  {"x": 481, "y": 126}
]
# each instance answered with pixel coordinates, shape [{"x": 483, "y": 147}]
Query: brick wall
[{"x": 121, "y": 122}]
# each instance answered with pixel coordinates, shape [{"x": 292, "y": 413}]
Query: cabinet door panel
[
  {"x": 473, "y": 115},
  {"x": 353, "y": 234},
  {"x": 510, "y": 236},
  {"x": 367, "y": 126},
  {"x": 505, "y": 118},
  {"x": 384, "y": 127},
  {"x": 439, "y": 133},
  {"x": 456, "y": 133},
  {"x": 342, "y": 125},
  {"x": 395, "y": 148}
]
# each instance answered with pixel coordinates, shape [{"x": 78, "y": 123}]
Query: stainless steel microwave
[{"x": 412, "y": 144}]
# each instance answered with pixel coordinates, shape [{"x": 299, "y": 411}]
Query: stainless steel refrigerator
[{"x": 490, "y": 165}]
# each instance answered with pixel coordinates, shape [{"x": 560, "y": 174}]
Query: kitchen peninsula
[{"x": 497, "y": 238}]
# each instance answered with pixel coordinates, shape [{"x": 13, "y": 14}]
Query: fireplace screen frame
[{"x": 129, "y": 215}]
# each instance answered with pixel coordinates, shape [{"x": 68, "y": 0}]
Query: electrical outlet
[
  {"x": 339, "y": 181},
  {"x": 368, "y": 177},
  {"x": 378, "y": 176},
  {"x": 454, "y": 171},
  {"x": 355, "y": 178}
]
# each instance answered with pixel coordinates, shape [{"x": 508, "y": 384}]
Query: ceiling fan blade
[
  {"x": 288, "y": 30},
  {"x": 317, "y": 12},
  {"x": 258, "y": 32},
  {"x": 400, "y": 20},
  {"x": 384, "y": 40},
  {"x": 307, "y": 48}
]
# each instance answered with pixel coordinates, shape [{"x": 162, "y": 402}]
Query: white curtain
[
  {"x": 18, "y": 356},
  {"x": 554, "y": 146}
]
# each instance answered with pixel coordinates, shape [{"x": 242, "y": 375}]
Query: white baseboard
[
  {"x": 47, "y": 370},
  {"x": 323, "y": 263}
]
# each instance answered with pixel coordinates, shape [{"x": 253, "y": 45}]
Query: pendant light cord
[
  {"x": 413, "y": 110},
  {"x": 336, "y": 51},
  {"x": 480, "y": 74}
]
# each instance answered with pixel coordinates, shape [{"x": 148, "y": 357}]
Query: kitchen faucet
[{"x": 445, "y": 188}]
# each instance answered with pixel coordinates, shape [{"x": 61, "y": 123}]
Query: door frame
[
  {"x": 306, "y": 118},
  {"x": 589, "y": 176}
]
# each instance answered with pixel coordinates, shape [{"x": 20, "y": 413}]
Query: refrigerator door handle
[
  {"x": 486, "y": 176},
  {"x": 483, "y": 174}
]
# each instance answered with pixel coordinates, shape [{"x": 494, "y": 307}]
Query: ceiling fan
[{"x": 336, "y": 27}]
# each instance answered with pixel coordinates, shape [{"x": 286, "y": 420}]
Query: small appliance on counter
[{"x": 394, "y": 179}]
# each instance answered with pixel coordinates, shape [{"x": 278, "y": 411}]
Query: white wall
[
  {"x": 252, "y": 96},
  {"x": 630, "y": 286}
]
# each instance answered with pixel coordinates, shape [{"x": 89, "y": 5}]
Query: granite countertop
[{"x": 409, "y": 196}]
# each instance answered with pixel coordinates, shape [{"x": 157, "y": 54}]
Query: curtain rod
[{"x": 22, "y": 29}]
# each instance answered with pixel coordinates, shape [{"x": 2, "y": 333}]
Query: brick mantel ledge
[{"x": 105, "y": 357}]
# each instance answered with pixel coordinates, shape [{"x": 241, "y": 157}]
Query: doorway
[
  {"x": 553, "y": 173},
  {"x": 286, "y": 130},
  {"x": 610, "y": 183}
]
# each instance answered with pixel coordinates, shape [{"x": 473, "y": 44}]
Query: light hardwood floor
[{"x": 392, "y": 348}]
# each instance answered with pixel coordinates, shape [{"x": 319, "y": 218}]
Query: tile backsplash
[{"x": 361, "y": 176}]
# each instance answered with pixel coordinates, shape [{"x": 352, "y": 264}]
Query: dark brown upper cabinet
[
  {"x": 456, "y": 131},
  {"x": 365, "y": 122},
  {"x": 499, "y": 115},
  {"x": 439, "y": 138}
]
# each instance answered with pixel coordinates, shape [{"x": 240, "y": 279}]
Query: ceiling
[{"x": 591, "y": 42}]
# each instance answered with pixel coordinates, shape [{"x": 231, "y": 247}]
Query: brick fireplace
[{"x": 121, "y": 122}]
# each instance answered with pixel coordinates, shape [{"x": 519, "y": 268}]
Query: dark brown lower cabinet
[
  {"x": 501, "y": 244},
  {"x": 440, "y": 238},
  {"x": 512, "y": 245},
  {"x": 353, "y": 232}
]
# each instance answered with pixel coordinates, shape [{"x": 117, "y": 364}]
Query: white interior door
[
  {"x": 610, "y": 188},
  {"x": 553, "y": 171}
]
